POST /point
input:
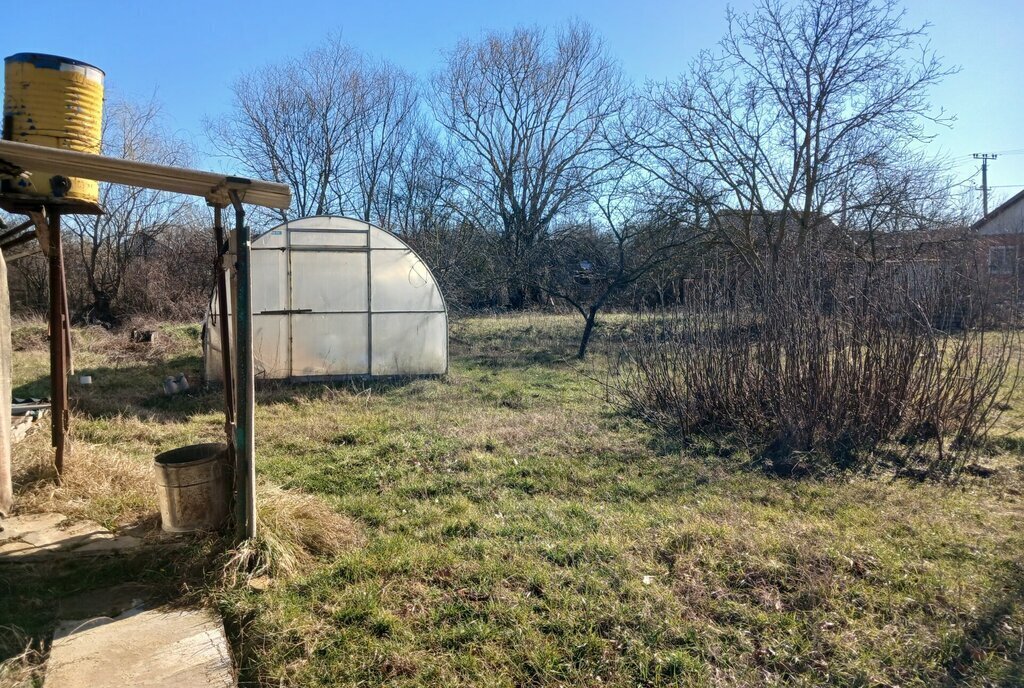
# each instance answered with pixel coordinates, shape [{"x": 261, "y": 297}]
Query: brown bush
[{"x": 823, "y": 365}]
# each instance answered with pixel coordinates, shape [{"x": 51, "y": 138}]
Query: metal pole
[
  {"x": 58, "y": 340},
  {"x": 245, "y": 444},
  {"x": 220, "y": 271},
  {"x": 66, "y": 312}
]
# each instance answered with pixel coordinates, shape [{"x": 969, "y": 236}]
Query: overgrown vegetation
[
  {"x": 506, "y": 527},
  {"x": 820, "y": 366}
]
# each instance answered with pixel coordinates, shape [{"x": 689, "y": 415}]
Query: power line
[{"x": 968, "y": 156}]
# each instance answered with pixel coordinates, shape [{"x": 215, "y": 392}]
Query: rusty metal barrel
[
  {"x": 56, "y": 102},
  {"x": 192, "y": 487}
]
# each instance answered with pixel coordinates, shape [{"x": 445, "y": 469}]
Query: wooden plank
[
  {"x": 16, "y": 255},
  {"x": 15, "y": 231},
  {"x": 6, "y": 488},
  {"x": 209, "y": 185}
]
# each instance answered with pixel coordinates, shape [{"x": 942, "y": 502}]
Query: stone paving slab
[
  {"x": 20, "y": 427},
  {"x": 144, "y": 648},
  {"x": 35, "y": 537},
  {"x": 110, "y": 601}
]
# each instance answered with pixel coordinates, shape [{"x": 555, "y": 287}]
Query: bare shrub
[
  {"x": 173, "y": 282},
  {"x": 824, "y": 365}
]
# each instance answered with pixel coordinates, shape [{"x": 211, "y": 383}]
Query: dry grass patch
[
  {"x": 103, "y": 483},
  {"x": 294, "y": 531},
  {"x": 23, "y": 670}
]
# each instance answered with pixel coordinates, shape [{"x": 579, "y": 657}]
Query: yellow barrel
[{"x": 57, "y": 102}]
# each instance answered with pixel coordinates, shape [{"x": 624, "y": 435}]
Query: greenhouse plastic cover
[{"x": 335, "y": 297}]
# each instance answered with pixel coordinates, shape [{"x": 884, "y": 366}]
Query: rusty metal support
[
  {"x": 59, "y": 340},
  {"x": 220, "y": 268},
  {"x": 68, "y": 358}
]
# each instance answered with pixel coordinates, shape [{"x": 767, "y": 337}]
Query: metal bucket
[{"x": 192, "y": 487}]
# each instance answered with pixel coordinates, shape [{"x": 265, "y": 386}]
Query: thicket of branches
[{"x": 819, "y": 367}]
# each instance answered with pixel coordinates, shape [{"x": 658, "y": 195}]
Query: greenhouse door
[
  {"x": 330, "y": 302},
  {"x": 269, "y": 308}
]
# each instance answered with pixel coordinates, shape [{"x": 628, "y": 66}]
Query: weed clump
[{"x": 294, "y": 531}]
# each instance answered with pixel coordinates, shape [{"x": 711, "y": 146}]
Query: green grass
[{"x": 515, "y": 531}]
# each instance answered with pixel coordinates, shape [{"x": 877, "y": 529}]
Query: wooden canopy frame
[{"x": 220, "y": 191}]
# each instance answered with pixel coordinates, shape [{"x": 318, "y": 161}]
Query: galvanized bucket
[{"x": 192, "y": 487}]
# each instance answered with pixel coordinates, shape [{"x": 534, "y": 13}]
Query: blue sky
[{"x": 187, "y": 53}]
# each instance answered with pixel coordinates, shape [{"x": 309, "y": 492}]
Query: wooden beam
[
  {"x": 18, "y": 255},
  {"x": 215, "y": 188},
  {"x": 38, "y": 218},
  {"x": 15, "y": 231},
  {"x": 6, "y": 486},
  {"x": 30, "y": 235}
]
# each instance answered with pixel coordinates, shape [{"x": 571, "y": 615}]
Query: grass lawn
[{"x": 504, "y": 527}]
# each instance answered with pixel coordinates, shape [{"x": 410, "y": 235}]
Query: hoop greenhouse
[{"x": 334, "y": 298}]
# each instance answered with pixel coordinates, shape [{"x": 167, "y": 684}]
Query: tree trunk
[
  {"x": 588, "y": 330},
  {"x": 516, "y": 297}
]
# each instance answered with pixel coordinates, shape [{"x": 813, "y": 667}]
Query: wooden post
[{"x": 6, "y": 487}]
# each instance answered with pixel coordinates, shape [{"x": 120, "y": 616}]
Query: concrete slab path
[
  {"x": 34, "y": 537},
  {"x": 118, "y": 639},
  {"x": 144, "y": 648}
]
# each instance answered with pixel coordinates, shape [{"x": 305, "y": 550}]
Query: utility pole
[{"x": 984, "y": 157}]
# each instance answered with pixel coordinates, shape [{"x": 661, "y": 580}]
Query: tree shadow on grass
[
  {"x": 137, "y": 390},
  {"x": 517, "y": 360},
  {"x": 299, "y": 391},
  {"x": 133, "y": 389},
  {"x": 995, "y": 633}
]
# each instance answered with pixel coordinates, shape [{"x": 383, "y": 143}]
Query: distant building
[
  {"x": 758, "y": 231},
  {"x": 1001, "y": 234}
]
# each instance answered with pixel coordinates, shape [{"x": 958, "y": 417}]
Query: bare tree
[
  {"x": 800, "y": 100},
  {"x": 902, "y": 209},
  {"x": 292, "y": 123},
  {"x": 632, "y": 234},
  {"x": 426, "y": 214},
  {"x": 330, "y": 124},
  {"x": 384, "y": 129},
  {"x": 426, "y": 186},
  {"x": 528, "y": 117},
  {"x": 134, "y": 217}
]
